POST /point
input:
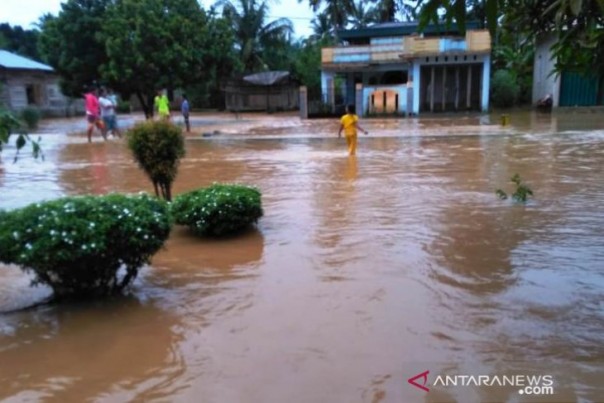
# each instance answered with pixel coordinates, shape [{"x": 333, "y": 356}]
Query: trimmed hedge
[
  {"x": 220, "y": 209},
  {"x": 158, "y": 148},
  {"x": 77, "y": 245}
]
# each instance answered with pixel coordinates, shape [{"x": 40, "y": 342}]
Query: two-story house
[{"x": 391, "y": 68}]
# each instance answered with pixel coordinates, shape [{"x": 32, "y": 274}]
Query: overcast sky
[{"x": 27, "y": 12}]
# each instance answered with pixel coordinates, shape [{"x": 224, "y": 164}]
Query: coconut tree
[
  {"x": 338, "y": 11},
  {"x": 253, "y": 34},
  {"x": 362, "y": 15},
  {"x": 321, "y": 27}
]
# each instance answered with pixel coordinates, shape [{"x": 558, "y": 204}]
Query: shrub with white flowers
[
  {"x": 220, "y": 209},
  {"x": 77, "y": 245}
]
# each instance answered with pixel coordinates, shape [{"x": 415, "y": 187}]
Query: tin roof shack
[
  {"x": 267, "y": 91},
  {"x": 27, "y": 83}
]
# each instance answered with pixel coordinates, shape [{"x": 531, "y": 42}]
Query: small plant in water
[{"x": 522, "y": 193}]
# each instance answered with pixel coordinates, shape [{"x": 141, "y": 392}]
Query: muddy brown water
[{"x": 365, "y": 270}]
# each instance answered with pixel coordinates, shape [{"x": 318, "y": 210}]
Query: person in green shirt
[{"x": 162, "y": 105}]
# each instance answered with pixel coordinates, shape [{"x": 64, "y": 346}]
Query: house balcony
[{"x": 397, "y": 50}]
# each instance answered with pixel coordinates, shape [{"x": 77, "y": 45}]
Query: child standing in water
[{"x": 350, "y": 124}]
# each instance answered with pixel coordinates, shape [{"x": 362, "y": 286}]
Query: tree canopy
[
  {"x": 72, "y": 43},
  {"x": 18, "y": 40},
  {"x": 153, "y": 44},
  {"x": 254, "y": 35}
]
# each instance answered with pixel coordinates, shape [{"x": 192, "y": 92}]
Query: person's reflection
[
  {"x": 99, "y": 170},
  {"x": 352, "y": 168}
]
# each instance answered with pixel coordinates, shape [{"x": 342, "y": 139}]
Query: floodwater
[{"x": 364, "y": 271}]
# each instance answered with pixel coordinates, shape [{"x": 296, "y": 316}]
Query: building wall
[{"x": 543, "y": 82}]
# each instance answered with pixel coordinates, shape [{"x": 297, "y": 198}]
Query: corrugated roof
[
  {"x": 401, "y": 29},
  {"x": 10, "y": 60}
]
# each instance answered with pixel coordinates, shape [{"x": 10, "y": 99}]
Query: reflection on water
[{"x": 365, "y": 270}]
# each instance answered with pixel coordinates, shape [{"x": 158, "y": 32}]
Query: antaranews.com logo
[{"x": 537, "y": 385}]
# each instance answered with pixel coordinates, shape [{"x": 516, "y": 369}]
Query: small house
[
  {"x": 265, "y": 91},
  {"x": 28, "y": 83}
]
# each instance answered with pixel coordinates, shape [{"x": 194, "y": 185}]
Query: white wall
[{"x": 543, "y": 65}]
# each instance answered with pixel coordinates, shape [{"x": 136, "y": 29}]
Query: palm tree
[
  {"x": 361, "y": 15},
  {"x": 255, "y": 37},
  {"x": 322, "y": 27},
  {"x": 386, "y": 10},
  {"x": 338, "y": 11}
]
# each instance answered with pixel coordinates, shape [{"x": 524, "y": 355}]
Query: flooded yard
[{"x": 364, "y": 271}]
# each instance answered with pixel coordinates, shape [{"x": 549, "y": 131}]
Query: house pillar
[
  {"x": 359, "y": 101},
  {"x": 327, "y": 88},
  {"x": 416, "y": 87},
  {"x": 350, "y": 89},
  {"x": 486, "y": 77}
]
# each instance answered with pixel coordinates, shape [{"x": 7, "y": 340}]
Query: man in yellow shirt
[{"x": 350, "y": 124}]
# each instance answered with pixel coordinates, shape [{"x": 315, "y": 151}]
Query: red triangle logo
[{"x": 422, "y": 386}]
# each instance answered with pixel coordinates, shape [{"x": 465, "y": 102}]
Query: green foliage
[
  {"x": 157, "y": 147},
  {"x": 257, "y": 39},
  {"x": 10, "y": 125},
  {"x": 18, "y": 40},
  {"x": 77, "y": 245},
  {"x": 31, "y": 117},
  {"x": 123, "y": 106},
  {"x": 133, "y": 46},
  {"x": 521, "y": 194},
  {"x": 504, "y": 89},
  {"x": 220, "y": 61},
  {"x": 71, "y": 43},
  {"x": 515, "y": 52},
  {"x": 153, "y": 44},
  {"x": 219, "y": 209},
  {"x": 307, "y": 63}
]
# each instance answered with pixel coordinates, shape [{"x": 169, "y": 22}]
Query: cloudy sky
[{"x": 27, "y": 12}]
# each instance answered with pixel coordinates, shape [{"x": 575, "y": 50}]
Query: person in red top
[{"x": 92, "y": 114}]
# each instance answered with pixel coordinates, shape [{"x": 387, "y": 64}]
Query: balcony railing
[{"x": 410, "y": 46}]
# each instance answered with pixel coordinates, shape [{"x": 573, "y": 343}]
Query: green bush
[
  {"x": 504, "y": 89},
  {"x": 77, "y": 245},
  {"x": 157, "y": 147},
  {"x": 123, "y": 106},
  {"x": 31, "y": 117},
  {"x": 9, "y": 125},
  {"x": 219, "y": 209}
]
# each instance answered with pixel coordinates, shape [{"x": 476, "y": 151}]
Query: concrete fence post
[
  {"x": 359, "y": 101},
  {"x": 303, "y": 102}
]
